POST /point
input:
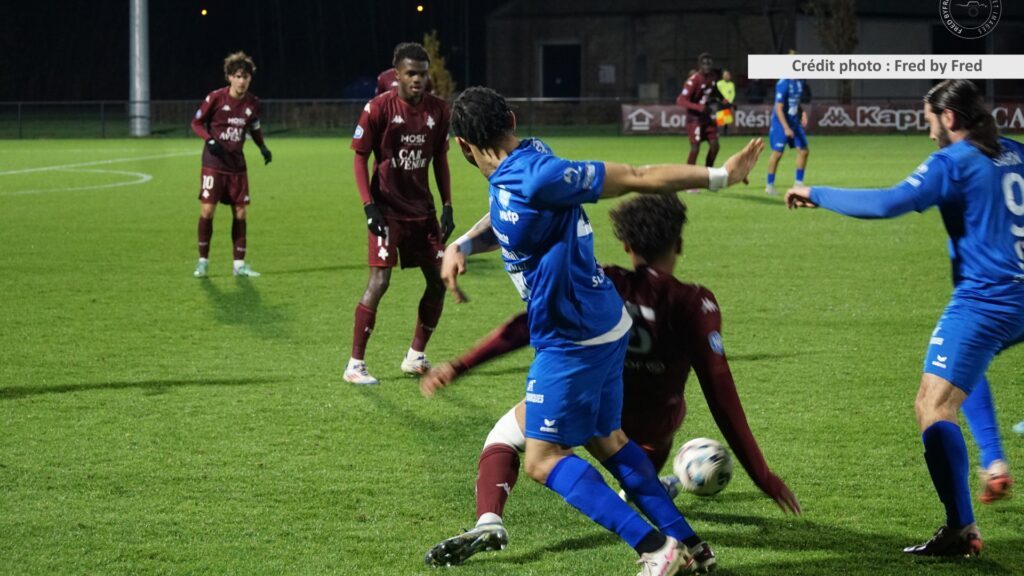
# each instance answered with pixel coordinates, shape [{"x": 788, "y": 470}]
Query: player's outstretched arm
[
  {"x": 927, "y": 186},
  {"x": 509, "y": 337},
  {"x": 479, "y": 238},
  {"x": 715, "y": 377},
  {"x": 621, "y": 179}
]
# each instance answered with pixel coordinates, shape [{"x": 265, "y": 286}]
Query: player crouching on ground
[
  {"x": 676, "y": 326},
  {"x": 222, "y": 121}
]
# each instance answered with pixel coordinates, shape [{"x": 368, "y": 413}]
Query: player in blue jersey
[
  {"x": 578, "y": 324},
  {"x": 977, "y": 182},
  {"x": 788, "y": 122}
]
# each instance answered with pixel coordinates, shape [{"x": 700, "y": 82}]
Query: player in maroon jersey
[
  {"x": 222, "y": 120},
  {"x": 405, "y": 129},
  {"x": 676, "y": 326},
  {"x": 701, "y": 98}
]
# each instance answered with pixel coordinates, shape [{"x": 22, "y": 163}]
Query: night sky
[{"x": 78, "y": 49}]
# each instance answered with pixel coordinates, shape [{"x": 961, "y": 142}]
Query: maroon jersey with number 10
[
  {"x": 403, "y": 138},
  {"x": 226, "y": 119}
]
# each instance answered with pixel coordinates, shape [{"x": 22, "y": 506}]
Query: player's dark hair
[
  {"x": 481, "y": 116},
  {"x": 238, "y": 61},
  {"x": 968, "y": 106},
  {"x": 650, "y": 224},
  {"x": 702, "y": 56},
  {"x": 412, "y": 51}
]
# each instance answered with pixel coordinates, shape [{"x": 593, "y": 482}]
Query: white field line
[
  {"x": 95, "y": 163},
  {"x": 139, "y": 178}
]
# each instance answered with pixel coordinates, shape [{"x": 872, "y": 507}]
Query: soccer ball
[{"x": 704, "y": 466}]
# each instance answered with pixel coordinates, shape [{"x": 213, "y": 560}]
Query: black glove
[
  {"x": 215, "y": 148},
  {"x": 374, "y": 219},
  {"x": 447, "y": 222},
  {"x": 267, "y": 156},
  {"x": 712, "y": 107}
]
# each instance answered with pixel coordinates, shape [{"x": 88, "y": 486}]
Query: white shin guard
[{"x": 507, "y": 431}]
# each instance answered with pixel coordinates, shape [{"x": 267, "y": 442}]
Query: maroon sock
[
  {"x": 426, "y": 322},
  {"x": 238, "y": 237},
  {"x": 496, "y": 474},
  {"x": 205, "y": 234},
  {"x": 692, "y": 158},
  {"x": 710, "y": 160},
  {"x": 365, "y": 319},
  {"x": 658, "y": 454}
]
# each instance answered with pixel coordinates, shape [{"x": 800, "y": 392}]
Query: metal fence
[
  {"x": 171, "y": 118},
  {"x": 535, "y": 116}
]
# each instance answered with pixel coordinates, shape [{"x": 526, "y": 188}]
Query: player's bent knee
[
  {"x": 541, "y": 458},
  {"x": 537, "y": 468},
  {"x": 604, "y": 447},
  {"x": 377, "y": 285},
  {"x": 937, "y": 399},
  {"x": 507, "y": 431}
]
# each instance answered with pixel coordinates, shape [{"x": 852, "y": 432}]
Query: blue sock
[
  {"x": 771, "y": 179},
  {"x": 579, "y": 484},
  {"x": 980, "y": 413},
  {"x": 799, "y": 174},
  {"x": 637, "y": 476},
  {"x": 946, "y": 455}
]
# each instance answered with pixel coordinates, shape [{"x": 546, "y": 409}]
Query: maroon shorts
[
  {"x": 418, "y": 242},
  {"x": 224, "y": 187},
  {"x": 703, "y": 130}
]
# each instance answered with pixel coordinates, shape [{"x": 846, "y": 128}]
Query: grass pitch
[{"x": 151, "y": 423}]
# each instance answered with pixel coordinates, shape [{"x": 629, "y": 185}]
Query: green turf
[{"x": 151, "y": 423}]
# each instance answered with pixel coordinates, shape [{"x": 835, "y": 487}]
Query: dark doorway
[{"x": 561, "y": 70}]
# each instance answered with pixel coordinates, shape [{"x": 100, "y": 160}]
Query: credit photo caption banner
[
  {"x": 886, "y": 66},
  {"x": 823, "y": 118}
]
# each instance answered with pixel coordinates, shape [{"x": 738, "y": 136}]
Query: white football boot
[
  {"x": 415, "y": 363},
  {"x": 356, "y": 373}
]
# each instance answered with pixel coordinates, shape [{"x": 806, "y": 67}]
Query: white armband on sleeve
[
  {"x": 465, "y": 244},
  {"x": 718, "y": 178}
]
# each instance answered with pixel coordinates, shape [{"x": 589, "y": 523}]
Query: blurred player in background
[
  {"x": 578, "y": 323},
  {"x": 222, "y": 120},
  {"x": 675, "y": 326},
  {"x": 727, "y": 88},
  {"x": 701, "y": 98},
  {"x": 788, "y": 122},
  {"x": 405, "y": 129},
  {"x": 977, "y": 181}
]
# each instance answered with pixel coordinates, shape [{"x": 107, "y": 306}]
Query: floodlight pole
[{"x": 138, "y": 68}]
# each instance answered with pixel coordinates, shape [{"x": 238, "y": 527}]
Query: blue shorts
[
  {"x": 969, "y": 335},
  {"x": 575, "y": 393},
  {"x": 777, "y": 136}
]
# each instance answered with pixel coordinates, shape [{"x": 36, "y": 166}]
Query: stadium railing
[{"x": 337, "y": 117}]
